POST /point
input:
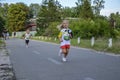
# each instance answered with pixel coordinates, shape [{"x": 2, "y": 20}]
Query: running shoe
[{"x": 64, "y": 59}]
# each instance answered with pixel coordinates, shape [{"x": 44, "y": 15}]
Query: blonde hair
[
  {"x": 60, "y": 27},
  {"x": 65, "y": 21}
]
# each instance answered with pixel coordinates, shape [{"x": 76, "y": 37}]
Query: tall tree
[
  {"x": 69, "y": 12},
  {"x": 34, "y": 9},
  {"x": 2, "y": 23},
  {"x": 3, "y": 10},
  {"x": 84, "y": 9},
  {"x": 66, "y": 12},
  {"x": 99, "y": 4},
  {"x": 50, "y": 11},
  {"x": 17, "y": 16},
  {"x": 78, "y": 8},
  {"x": 115, "y": 20}
]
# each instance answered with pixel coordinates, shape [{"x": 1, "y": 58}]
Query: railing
[{"x": 101, "y": 44}]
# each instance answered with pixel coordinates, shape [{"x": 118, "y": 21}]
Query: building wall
[{"x": 20, "y": 33}]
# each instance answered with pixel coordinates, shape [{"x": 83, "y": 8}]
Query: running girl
[
  {"x": 64, "y": 36},
  {"x": 27, "y": 37}
]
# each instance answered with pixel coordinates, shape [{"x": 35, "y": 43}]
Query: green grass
[
  {"x": 1, "y": 43},
  {"x": 116, "y": 47},
  {"x": 100, "y": 44}
]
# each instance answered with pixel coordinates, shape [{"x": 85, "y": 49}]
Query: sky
[{"x": 111, "y": 6}]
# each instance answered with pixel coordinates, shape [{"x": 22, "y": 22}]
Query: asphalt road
[{"x": 41, "y": 62}]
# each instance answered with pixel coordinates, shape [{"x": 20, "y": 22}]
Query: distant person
[
  {"x": 14, "y": 34},
  {"x": 64, "y": 36},
  {"x": 27, "y": 37},
  {"x": 7, "y": 35}
]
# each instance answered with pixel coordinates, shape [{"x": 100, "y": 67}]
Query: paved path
[{"x": 41, "y": 62}]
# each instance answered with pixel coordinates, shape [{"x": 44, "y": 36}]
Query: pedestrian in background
[{"x": 14, "y": 34}]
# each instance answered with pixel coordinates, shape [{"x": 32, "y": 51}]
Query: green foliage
[
  {"x": 49, "y": 12},
  {"x": 99, "y": 4},
  {"x": 41, "y": 26},
  {"x": 115, "y": 20},
  {"x": 88, "y": 28},
  {"x": 52, "y": 30},
  {"x": 3, "y": 15},
  {"x": 3, "y": 10},
  {"x": 85, "y": 29},
  {"x": 69, "y": 12},
  {"x": 84, "y": 9},
  {"x": 2, "y": 23},
  {"x": 17, "y": 16},
  {"x": 34, "y": 10}
]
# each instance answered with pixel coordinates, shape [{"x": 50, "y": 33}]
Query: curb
[{"x": 6, "y": 68}]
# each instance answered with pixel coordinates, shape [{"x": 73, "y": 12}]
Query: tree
[
  {"x": 52, "y": 30},
  {"x": 2, "y": 23},
  {"x": 3, "y": 10},
  {"x": 17, "y": 16},
  {"x": 84, "y": 9},
  {"x": 99, "y": 4},
  {"x": 78, "y": 8},
  {"x": 68, "y": 12},
  {"x": 50, "y": 11},
  {"x": 34, "y": 9},
  {"x": 115, "y": 20}
]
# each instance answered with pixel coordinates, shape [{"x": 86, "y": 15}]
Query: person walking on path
[{"x": 14, "y": 34}]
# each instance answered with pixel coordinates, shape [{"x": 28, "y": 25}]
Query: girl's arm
[
  {"x": 71, "y": 35},
  {"x": 60, "y": 36},
  {"x": 23, "y": 36}
]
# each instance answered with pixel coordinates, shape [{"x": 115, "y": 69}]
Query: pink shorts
[{"x": 65, "y": 47}]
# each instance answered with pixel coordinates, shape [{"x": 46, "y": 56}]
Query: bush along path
[{"x": 6, "y": 69}]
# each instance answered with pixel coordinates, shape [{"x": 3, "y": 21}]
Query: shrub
[
  {"x": 52, "y": 30},
  {"x": 89, "y": 28}
]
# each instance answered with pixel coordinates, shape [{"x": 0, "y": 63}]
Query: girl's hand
[
  {"x": 61, "y": 40},
  {"x": 71, "y": 35}
]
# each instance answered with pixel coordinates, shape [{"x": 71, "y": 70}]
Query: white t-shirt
[
  {"x": 65, "y": 36},
  {"x": 27, "y": 36}
]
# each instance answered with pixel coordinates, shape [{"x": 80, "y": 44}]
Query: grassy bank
[
  {"x": 100, "y": 44},
  {"x": 2, "y": 43}
]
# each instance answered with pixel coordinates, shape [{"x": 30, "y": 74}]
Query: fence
[
  {"x": 109, "y": 45},
  {"x": 78, "y": 40}
]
